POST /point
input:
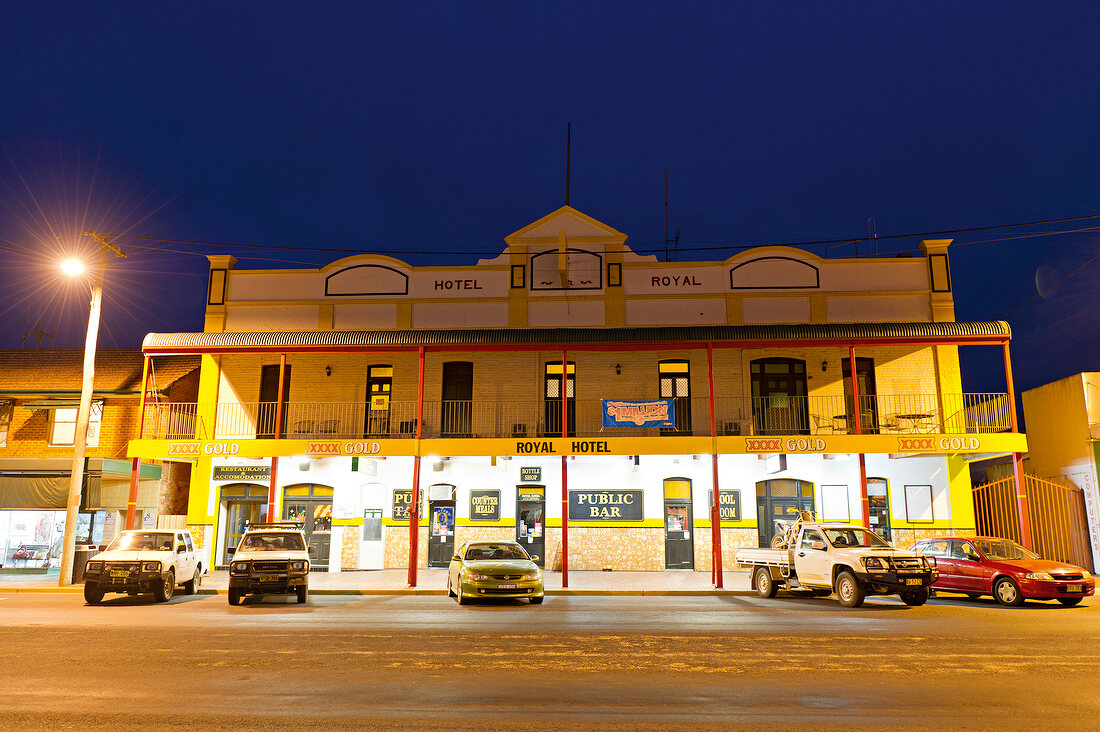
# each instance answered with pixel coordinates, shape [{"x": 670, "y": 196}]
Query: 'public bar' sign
[{"x": 605, "y": 505}]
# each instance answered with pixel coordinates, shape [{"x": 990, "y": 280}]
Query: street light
[{"x": 74, "y": 268}]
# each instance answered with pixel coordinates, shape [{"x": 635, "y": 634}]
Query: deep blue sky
[{"x": 441, "y": 127}]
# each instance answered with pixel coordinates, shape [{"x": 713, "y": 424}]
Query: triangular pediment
[{"x": 576, "y": 225}]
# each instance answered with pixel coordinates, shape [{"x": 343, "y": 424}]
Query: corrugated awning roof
[{"x": 835, "y": 334}]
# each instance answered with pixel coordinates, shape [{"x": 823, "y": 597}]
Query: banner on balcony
[{"x": 632, "y": 414}]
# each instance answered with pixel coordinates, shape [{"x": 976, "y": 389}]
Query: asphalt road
[{"x": 584, "y": 663}]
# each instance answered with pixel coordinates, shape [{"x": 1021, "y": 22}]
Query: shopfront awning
[{"x": 745, "y": 336}]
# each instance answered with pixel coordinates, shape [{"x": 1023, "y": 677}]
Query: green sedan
[{"x": 493, "y": 569}]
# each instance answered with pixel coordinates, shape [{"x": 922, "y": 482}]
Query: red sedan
[{"x": 984, "y": 565}]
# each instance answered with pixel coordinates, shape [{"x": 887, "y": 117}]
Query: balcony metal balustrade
[{"x": 770, "y": 415}]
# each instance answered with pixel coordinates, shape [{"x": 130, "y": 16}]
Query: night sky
[{"x": 440, "y": 128}]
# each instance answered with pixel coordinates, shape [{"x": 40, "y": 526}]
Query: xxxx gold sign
[
  {"x": 938, "y": 444},
  {"x": 346, "y": 448},
  {"x": 194, "y": 449},
  {"x": 785, "y": 445}
]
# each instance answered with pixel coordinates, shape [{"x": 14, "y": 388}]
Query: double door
[{"x": 311, "y": 507}]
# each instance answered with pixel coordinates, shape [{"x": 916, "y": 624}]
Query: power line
[{"x": 726, "y": 247}]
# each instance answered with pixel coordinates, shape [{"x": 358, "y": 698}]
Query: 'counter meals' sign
[{"x": 605, "y": 505}]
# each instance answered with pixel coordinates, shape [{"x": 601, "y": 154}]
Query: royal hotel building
[{"x": 582, "y": 399}]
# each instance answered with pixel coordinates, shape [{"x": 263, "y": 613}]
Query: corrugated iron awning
[{"x": 924, "y": 333}]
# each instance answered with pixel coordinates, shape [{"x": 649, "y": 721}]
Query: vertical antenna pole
[
  {"x": 666, "y": 214},
  {"x": 568, "y": 155}
]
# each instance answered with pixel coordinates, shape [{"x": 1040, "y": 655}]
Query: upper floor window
[
  {"x": 6, "y": 408},
  {"x": 553, "y": 388},
  {"x": 675, "y": 383},
  {"x": 63, "y": 425},
  {"x": 779, "y": 405}
]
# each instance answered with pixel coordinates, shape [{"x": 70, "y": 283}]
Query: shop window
[{"x": 63, "y": 425}]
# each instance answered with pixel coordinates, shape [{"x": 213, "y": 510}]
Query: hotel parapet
[{"x": 605, "y": 409}]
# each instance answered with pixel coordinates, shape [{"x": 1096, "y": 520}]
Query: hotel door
[
  {"x": 879, "y": 507},
  {"x": 530, "y": 520},
  {"x": 679, "y": 543},
  {"x": 780, "y": 499},
  {"x": 311, "y": 507},
  {"x": 441, "y": 533}
]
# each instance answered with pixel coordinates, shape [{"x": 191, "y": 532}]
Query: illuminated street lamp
[{"x": 75, "y": 268}]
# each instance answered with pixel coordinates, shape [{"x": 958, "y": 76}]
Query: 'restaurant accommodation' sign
[
  {"x": 242, "y": 472},
  {"x": 652, "y": 413},
  {"x": 605, "y": 505},
  {"x": 484, "y": 505},
  {"x": 402, "y": 500},
  {"x": 729, "y": 504}
]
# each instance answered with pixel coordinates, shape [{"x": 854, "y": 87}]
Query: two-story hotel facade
[{"x": 605, "y": 409}]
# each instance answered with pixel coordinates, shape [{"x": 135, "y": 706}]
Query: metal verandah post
[
  {"x": 414, "y": 507},
  {"x": 278, "y": 436},
  {"x": 564, "y": 470},
  {"x": 135, "y": 468},
  {"x": 715, "y": 510},
  {"x": 858, "y": 418},
  {"x": 1024, "y": 515}
]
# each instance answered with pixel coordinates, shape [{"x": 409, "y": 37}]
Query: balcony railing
[{"x": 768, "y": 415}]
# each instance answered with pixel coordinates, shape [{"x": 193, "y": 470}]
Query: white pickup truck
[
  {"x": 852, "y": 561},
  {"x": 144, "y": 561}
]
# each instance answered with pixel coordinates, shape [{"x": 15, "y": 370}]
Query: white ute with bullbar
[
  {"x": 142, "y": 561},
  {"x": 852, "y": 561},
  {"x": 271, "y": 559}
]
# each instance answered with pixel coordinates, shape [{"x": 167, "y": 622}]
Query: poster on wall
[{"x": 639, "y": 414}]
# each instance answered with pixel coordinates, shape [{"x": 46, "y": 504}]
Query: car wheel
[
  {"x": 92, "y": 593},
  {"x": 1007, "y": 592},
  {"x": 849, "y": 590},
  {"x": 973, "y": 595},
  {"x": 462, "y": 599},
  {"x": 163, "y": 592},
  {"x": 303, "y": 594},
  {"x": 915, "y": 598},
  {"x": 235, "y": 596},
  {"x": 192, "y": 586},
  {"x": 765, "y": 585},
  {"x": 1070, "y": 601},
  {"x": 536, "y": 600}
]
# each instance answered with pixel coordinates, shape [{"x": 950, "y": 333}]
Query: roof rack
[{"x": 276, "y": 525}]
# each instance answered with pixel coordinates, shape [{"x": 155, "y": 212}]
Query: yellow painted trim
[{"x": 548, "y": 446}]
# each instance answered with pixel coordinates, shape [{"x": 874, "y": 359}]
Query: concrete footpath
[{"x": 434, "y": 582}]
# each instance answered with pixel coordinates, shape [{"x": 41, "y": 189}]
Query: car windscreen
[
  {"x": 273, "y": 542},
  {"x": 495, "y": 551},
  {"x": 854, "y": 537},
  {"x": 1002, "y": 549},
  {"x": 132, "y": 541}
]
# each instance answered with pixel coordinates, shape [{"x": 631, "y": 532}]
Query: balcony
[{"x": 770, "y": 415}]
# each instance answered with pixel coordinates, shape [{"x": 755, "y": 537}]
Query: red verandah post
[
  {"x": 564, "y": 471},
  {"x": 278, "y": 436},
  {"x": 858, "y": 418},
  {"x": 414, "y": 504},
  {"x": 1024, "y": 514},
  {"x": 135, "y": 467},
  {"x": 715, "y": 509}
]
